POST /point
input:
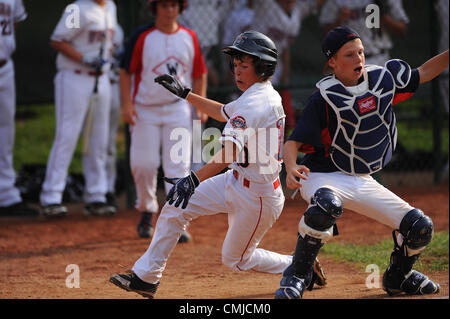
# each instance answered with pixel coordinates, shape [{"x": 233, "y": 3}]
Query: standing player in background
[
  {"x": 281, "y": 21},
  {"x": 114, "y": 116},
  {"x": 11, "y": 204},
  {"x": 348, "y": 130},
  {"x": 77, "y": 63},
  {"x": 250, "y": 192},
  {"x": 352, "y": 13},
  {"x": 154, "y": 113}
]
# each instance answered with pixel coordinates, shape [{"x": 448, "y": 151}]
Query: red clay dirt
[{"x": 34, "y": 254}]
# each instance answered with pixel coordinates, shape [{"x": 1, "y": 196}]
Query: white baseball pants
[
  {"x": 9, "y": 194},
  {"x": 72, "y": 93},
  {"x": 165, "y": 128},
  {"x": 250, "y": 216},
  {"x": 361, "y": 194}
]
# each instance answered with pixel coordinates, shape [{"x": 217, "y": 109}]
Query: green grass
[
  {"x": 434, "y": 257},
  {"x": 35, "y": 130}
]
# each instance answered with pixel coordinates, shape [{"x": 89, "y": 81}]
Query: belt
[
  {"x": 2, "y": 63},
  {"x": 246, "y": 182},
  {"x": 90, "y": 73}
]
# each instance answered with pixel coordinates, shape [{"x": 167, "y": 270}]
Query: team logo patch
[
  {"x": 172, "y": 66},
  {"x": 367, "y": 104},
  {"x": 238, "y": 122}
]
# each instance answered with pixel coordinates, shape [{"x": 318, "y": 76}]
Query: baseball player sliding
[
  {"x": 348, "y": 130},
  {"x": 80, "y": 67},
  {"x": 250, "y": 192}
]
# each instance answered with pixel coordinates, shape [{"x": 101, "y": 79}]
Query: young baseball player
[
  {"x": 250, "y": 192},
  {"x": 154, "y": 113},
  {"x": 79, "y": 64},
  {"x": 11, "y": 204},
  {"x": 348, "y": 130}
]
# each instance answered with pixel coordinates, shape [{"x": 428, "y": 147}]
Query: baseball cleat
[
  {"x": 144, "y": 227},
  {"x": 99, "y": 209},
  {"x": 291, "y": 287},
  {"x": 413, "y": 283},
  {"x": 54, "y": 210},
  {"x": 20, "y": 209},
  {"x": 131, "y": 282},
  {"x": 184, "y": 238}
]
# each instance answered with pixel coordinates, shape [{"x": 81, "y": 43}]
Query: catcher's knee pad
[
  {"x": 416, "y": 229},
  {"x": 320, "y": 217}
]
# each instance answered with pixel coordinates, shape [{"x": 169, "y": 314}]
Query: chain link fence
[{"x": 295, "y": 28}]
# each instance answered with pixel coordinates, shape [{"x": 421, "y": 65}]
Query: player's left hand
[
  {"x": 172, "y": 84},
  {"x": 182, "y": 190},
  {"x": 295, "y": 174}
]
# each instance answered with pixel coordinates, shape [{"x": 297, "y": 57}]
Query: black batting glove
[
  {"x": 182, "y": 190},
  {"x": 173, "y": 85}
]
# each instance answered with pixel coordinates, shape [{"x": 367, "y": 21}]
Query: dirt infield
[{"x": 34, "y": 254}]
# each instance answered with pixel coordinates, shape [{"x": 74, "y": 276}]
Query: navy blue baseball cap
[{"x": 336, "y": 38}]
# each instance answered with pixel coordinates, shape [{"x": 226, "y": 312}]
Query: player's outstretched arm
[
  {"x": 294, "y": 172},
  {"x": 433, "y": 67},
  {"x": 210, "y": 107}
]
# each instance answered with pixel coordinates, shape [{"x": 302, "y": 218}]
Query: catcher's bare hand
[
  {"x": 295, "y": 174},
  {"x": 172, "y": 84}
]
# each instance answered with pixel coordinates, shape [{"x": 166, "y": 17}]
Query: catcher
[{"x": 348, "y": 132}]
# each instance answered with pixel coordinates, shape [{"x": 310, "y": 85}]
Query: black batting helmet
[
  {"x": 152, "y": 5},
  {"x": 256, "y": 44}
]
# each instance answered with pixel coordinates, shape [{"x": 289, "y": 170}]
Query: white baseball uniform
[
  {"x": 377, "y": 42},
  {"x": 250, "y": 192},
  {"x": 114, "y": 118},
  {"x": 164, "y": 120},
  {"x": 74, "y": 84},
  {"x": 11, "y": 12}
]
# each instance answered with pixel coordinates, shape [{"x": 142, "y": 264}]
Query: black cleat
[{"x": 131, "y": 282}]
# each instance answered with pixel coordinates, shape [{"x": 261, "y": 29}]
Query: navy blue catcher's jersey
[{"x": 318, "y": 125}]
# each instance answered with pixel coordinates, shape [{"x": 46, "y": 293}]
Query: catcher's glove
[
  {"x": 173, "y": 85},
  {"x": 182, "y": 190}
]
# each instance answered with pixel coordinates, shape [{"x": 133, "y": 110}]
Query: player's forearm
[
  {"x": 66, "y": 49},
  {"x": 199, "y": 85},
  {"x": 433, "y": 67},
  {"x": 290, "y": 153},
  {"x": 210, "y": 107},
  {"x": 219, "y": 162}
]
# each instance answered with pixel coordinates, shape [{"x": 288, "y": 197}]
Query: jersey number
[
  {"x": 279, "y": 155},
  {"x": 6, "y": 27}
]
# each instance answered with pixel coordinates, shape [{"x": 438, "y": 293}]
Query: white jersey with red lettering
[{"x": 85, "y": 34}]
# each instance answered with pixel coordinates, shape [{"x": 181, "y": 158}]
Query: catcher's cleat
[
  {"x": 144, "y": 227},
  {"x": 131, "y": 282},
  {"x": 319, "y": 277},
  {"x": 184, "y": 238},
  {"x": 99, "y": 209},
  {"x": 54, "y": 210},
  {"x": 291, "y": 287},
  {"x": 413, "y": 283}
]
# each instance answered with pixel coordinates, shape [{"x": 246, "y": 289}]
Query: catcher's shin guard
[{"x": 416, "y": 230}]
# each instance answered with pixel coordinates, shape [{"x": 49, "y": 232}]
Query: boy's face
[
  {"x": 167, "y": 10},
  {"x": 244, "y": 72},
  {"x": 348, "y": 62}
]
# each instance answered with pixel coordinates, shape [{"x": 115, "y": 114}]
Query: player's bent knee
[
  {"x": 231, "y": 262},
  {"x": 416, "y": 229},
  {"x": 318, "y": 221}
]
